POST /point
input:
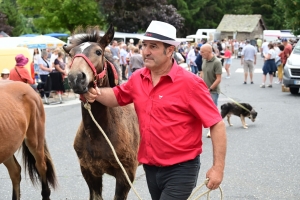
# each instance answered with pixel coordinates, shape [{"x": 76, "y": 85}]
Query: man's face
[
  {"x": 155, "y": 54},
  {"x": 204, "y": 53}
]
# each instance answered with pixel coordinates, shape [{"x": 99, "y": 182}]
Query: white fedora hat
[{"x": 161, "y": 31}]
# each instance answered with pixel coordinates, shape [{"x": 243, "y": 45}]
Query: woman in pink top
[
  {"x": 227, "y": 56},
  {"x": 19, "y": 72}
]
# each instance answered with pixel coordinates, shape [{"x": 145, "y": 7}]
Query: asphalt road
[{"x": 262, "y": 161}]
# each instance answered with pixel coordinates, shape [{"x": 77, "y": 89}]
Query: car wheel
[{"x": 294, "y": 90}]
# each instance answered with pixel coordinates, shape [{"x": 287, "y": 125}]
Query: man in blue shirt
[{"x": 248, "y": 59}]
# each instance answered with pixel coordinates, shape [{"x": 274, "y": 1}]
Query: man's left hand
[{"x": 215, "y": 176}]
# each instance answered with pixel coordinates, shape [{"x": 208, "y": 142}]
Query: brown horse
[
  {"x": 22, "y": 122},
  {"x": 89, "y": 68}
]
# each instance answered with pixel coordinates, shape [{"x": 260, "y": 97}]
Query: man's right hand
[{"x": 91, "y": 94}]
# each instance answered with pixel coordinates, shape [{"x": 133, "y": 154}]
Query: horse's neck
[{"x": 99, "y": 112}]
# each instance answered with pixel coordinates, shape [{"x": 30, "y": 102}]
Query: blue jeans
[
  {"x": 194, "y": 69},
  {"x": 215, "y": 97},
  {"x": 174, "y": 182}
]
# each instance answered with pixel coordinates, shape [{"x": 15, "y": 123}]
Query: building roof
[{"x": 240, "y": 23}]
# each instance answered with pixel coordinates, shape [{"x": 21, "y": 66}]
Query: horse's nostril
[{"x": 83, "y": 76}]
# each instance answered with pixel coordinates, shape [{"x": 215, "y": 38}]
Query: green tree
[
  {"x": 14, "y": 18},
  {"x": 271, "y": 13},
  {"x": 58, "y": 14},
  {"x": 199, "y": 14},
  {"x": 291, "y": 14}
]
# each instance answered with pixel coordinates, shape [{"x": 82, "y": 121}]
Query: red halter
[{"x": 97, "y": 77}]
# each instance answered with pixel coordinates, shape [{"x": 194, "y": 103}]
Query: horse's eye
[{"x": 98, "y": 52}]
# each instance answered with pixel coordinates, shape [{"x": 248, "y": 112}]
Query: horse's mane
[{"x": 92, "y": 34}]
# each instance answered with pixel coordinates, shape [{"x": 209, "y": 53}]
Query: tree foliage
[
  {"x": 291, "y": 14},
  {"x": 272, "y": 15},
  {"x": 15, "y": 20},
  {"x": 135, "y": 15},
  {"x": 57, "y": 14}
]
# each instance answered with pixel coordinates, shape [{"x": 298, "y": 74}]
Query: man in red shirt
[
  {"x": 172, "y": 106},
  {"x": 287, "y": 51}
]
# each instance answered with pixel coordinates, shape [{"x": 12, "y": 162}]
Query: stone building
[{"x": 241, "y": 27}]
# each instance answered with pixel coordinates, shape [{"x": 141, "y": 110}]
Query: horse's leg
[
  {"x": 122, "y": 185},
  {"x": 14, "y": 170},
  {"x": 94, "y": 184}
]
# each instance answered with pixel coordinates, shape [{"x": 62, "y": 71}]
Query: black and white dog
[{"x": 229, "y": 109}]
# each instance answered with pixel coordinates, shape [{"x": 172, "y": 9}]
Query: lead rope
[
  {"x": 237, "y": 103},
  {"x": 204, "y": 193},
  {"x": 88, "y": 107}
]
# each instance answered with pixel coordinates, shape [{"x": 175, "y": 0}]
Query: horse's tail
[{"x": 29, "y": 164}]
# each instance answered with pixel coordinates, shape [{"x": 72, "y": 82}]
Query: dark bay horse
[
  {"x": 22, "y": 123},
  {"x": 90, "y": 67}
]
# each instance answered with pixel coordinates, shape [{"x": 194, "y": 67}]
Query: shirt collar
[
  {"x": 146, "y": 73},
  {"x": 212, "y": 59}
]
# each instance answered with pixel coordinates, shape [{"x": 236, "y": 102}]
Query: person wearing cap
[
  {"x": 248, "y": 60},
  {"x": 5, "y": 74},
  {"x": 172, "y": 106},
  {"x": 19, "y": 72}
]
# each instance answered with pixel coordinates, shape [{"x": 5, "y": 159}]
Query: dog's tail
[{"x": 225, "y": 108}]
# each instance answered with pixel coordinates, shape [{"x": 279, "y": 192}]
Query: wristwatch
[{"x": 210, "y": 89}]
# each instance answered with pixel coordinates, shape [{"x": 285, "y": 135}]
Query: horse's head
[{"x": 88, "y": 66}]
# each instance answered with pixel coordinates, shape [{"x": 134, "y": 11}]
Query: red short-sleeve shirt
[
  {"x": 227, "y": 54},
  {"x": 171, "y": 114},
  {"x": 287, "y": 51}
]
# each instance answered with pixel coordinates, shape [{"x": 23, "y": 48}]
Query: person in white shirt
[
  {"x": 54, "y": 55},
  {"x": 248, "y": 60},
  {"x": 191, "y": 57},
  {"x": 236, "y": 45},
  {"x": 36, "y": 57},
  {"x": 123, "y": 63},
  {"x": 269, "y": 66},
  {"x": 264, "y": 48}
]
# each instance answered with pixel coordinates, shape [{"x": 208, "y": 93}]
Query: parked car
[{"x": 291, "y": 74}]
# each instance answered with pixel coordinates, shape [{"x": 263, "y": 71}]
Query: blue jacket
[{"x": 198, "y": 62}]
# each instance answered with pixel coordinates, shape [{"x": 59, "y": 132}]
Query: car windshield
[{"x": 297, "y": 48}]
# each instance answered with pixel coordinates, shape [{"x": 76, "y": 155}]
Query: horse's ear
[
  {"x": 107, "y": 38},
  {"x": 67, "y": 48}
]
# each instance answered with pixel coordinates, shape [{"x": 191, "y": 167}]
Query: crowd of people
[
  {"x": 127, "y": 56},
  {"x": 274, "y": 53},
  {"x": 48, "y": 71}
]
